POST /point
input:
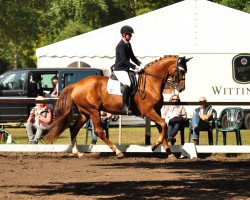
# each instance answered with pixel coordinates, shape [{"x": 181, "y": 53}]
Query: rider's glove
[{"x": 139, "y": 68}]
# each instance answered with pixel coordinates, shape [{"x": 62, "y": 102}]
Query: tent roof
[{"x": 187, "y": 26}]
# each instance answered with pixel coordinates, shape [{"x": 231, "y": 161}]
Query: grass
[{"x": 130, "y": 135}]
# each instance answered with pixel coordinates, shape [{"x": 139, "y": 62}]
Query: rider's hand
[{"x": 139, "y": 69}]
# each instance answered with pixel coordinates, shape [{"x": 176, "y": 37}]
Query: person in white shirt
[
  {"x": 175, "y": 116},
  {"x": 54, "y": 81}
]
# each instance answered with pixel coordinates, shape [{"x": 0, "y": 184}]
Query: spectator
[
  {"x": 34, "y": 86},
  {"x": 174, "y": 116},
  {"x": 38, "y": 122},
  {"x": 104, "y": 122},
  {"x": 200, "y": 117},
  {"x": 54, "y": 81}
]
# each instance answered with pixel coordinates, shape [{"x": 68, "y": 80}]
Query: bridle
[
  {"x": 177, "y": 80},
  {"x": 174, "y": 83}
]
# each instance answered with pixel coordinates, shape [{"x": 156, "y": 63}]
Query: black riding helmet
[{"x": 127, "y": 29}]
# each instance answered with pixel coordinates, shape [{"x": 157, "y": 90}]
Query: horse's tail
[{"x": 63, "y": 115}]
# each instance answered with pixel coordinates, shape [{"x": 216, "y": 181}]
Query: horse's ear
[{"x": 188, "y": 59}]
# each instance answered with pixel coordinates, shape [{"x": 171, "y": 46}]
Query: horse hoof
[
  {"x": 168, "y": 151},
  {"x": 73, "y": 155},
  {"x": 120, "y": 155},
  {"x": 154, "y": 146},
  {"x": 171, "y": 157},
  {"x": 79, "y": 154}
]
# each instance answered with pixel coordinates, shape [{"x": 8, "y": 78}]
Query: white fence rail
[{"x": 188, "y": 150}]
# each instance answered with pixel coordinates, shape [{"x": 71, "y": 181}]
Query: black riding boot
[{"x": 125, "y": 92}]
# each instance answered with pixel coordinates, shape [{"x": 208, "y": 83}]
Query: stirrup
[{"x": 126, "y": 110}]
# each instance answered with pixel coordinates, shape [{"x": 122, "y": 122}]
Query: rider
[{"x": 122, "y": 64}]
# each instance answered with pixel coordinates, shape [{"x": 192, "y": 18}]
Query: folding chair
[
  {"x": 230, "y": 120},
  {"x": 5, "y": 136}
]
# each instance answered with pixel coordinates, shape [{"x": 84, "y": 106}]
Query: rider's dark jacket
[{"x": 124, "y": 53}]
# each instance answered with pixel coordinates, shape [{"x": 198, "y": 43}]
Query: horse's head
[{"x": 178, "y": 75}]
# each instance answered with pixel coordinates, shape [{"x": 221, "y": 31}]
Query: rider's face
[{"x": 127, "y": 36}]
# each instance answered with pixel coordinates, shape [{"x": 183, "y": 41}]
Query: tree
[
  {"x": 73, "y": 17},
  {"x": 19, "y": 28},
  {"x": 242, "y": 5}
]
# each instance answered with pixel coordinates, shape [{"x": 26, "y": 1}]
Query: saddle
[{"x": 133, "y": 78}]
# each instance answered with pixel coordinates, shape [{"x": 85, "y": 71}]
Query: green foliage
[
  {"x": 236, "y": 4},
  {"x": 145, "y": 6},
  {"x": 85, "y": 15},
  {"x": 71, "y": 29},
  {"x": 19, "y": 28},
  {"x": 247, "y": 7}
]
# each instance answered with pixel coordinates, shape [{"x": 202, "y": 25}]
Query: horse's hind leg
[
  {"x": 74, "y": 129},
  {"x": 96, "y": 118}
]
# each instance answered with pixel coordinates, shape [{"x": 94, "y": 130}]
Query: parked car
[{"x": 24, "y": 83}]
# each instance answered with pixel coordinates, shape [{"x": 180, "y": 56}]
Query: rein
[
  {"x": 163, "y": 79},
  {"x": 142, "y": 81}
]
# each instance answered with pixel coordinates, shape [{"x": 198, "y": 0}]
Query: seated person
[
  {"x": 38, "y": 122},
  {"x": 175, "y": 116},
  {"x": 104, "y": 120},
  {"x": 200, "y": 117},
  {"x": 54, "y": 81},
  {"x": 34, "y": 86}
]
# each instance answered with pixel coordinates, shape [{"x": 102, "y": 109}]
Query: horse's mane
[{"x": 157, "y": 60}]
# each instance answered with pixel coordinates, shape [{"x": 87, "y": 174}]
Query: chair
[
  {"x": 105, "y": 126},
  {"x": 41, "y": 140},
  {"x": 209, "y": 128},
  {"x": 230, "y": 120},
  {"x": 5, "y": 136}
]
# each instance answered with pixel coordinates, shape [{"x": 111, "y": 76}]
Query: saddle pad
[{"x": 114, "y": 87}]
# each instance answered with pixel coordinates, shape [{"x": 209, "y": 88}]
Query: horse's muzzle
[{"x": 181, "y": 89}]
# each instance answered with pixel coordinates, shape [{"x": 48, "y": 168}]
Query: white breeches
[{"x": 123, "y": 77}]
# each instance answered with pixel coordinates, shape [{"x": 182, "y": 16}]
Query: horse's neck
[
  {"x": 160, "y": 67},
  {"x": 159, "y": 72}
]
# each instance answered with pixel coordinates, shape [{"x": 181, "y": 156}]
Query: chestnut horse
[{"x": 90, "y": 96}]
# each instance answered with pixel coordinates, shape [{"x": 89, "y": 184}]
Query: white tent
[{"x": 189, "y": 26}]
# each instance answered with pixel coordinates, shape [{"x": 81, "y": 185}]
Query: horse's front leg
[
  {"x": 162, "y": 138},
  {"x": 74, "y": 129},
  {"x": 99, "y": 132},
  {"x": 161, "y": 126},
  {"x": 164, "y": 141}
]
